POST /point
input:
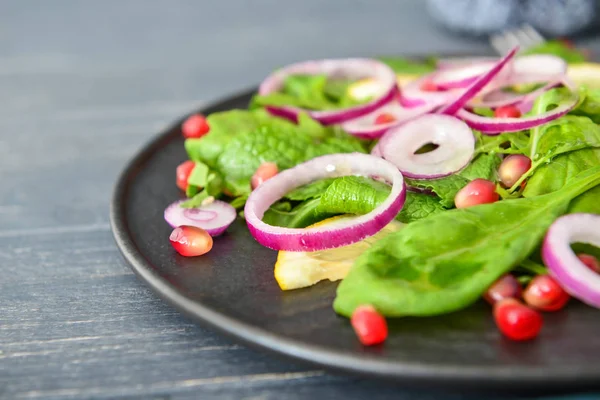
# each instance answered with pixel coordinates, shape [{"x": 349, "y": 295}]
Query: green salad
[{"x": 517, "y": 222}]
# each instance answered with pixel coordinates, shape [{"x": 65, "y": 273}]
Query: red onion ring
[
  {"x": 454, "y": 138},
  {"x": 462, "y": 76},
  {"x": 332, "y": 235},
  {"x": 351, "y": 68},
  {"x": 495, "y": 97},
  {"x": 411, "y": 95},
  {"x": 478, "y": 85},
  {"x": 495, "y": 126},
  {"x": 453, "y": 62},
  {"x": 365, "y": 127},
  {"x": 214, "y": 218},
  {"x": 539, "y": 65},
  {"x": 577, "y": 279}
]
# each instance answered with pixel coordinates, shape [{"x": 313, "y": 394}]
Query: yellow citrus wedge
[
  {"x": 294, "y": 270},
  {"x": 585, "y": 74},
  {"x": 364, "y": 89}
]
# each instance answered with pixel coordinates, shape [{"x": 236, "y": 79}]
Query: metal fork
[{"x": 525, "y": 37}]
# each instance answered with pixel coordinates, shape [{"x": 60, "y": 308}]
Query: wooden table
[{"x": 83, "y": 85}]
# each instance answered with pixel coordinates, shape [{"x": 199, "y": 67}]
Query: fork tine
[
  {"x": 533, "y": 34},
  {"x": 499, "y": 43},
  {"x": 524, "y": 39}
]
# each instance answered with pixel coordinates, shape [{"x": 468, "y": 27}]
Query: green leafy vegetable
[
  {"x": 484, "y": 166},
  {"x": 444, "y": 263},
  {"x": 312, "y": 92},
  {"x": 199, "y": 175},
  {"x": 402, "y": 65},
  {"x": 590, "y": 105},
  {"x": 284, "y": 147},
  {"x": 224, "y": 126},
  {"x": 301, "y": 216},
  {"x": 566, "y": 134},
  {"x": 360, "y": 195},
  {"x": 310, "y": 191}
]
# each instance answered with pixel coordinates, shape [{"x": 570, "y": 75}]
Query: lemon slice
[
  {"x": 294, "y": 270},
  {"x": 585, "y": 74},
  {"x": 369, "y": 88}
]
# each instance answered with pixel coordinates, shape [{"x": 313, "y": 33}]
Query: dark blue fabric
[{"x": 483, "y": 17}]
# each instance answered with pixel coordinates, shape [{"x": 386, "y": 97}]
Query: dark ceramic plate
[{"x": 232, "y": 289}]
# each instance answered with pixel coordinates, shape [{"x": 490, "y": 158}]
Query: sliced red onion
[
  {"x": 496, "y": 97},
  {"x": 539, "y": 65},
  {"x": 411, "y": 95},
  {"x": 495, "y": 126},
  {"x": 455, "y": 140},
  {"x": 365, "y": 127},
  {"x": 351, "y": 68},
  {"x": 478, "y": 85},
  {"x": 453, "y": 62},
  {"x": 214, "y": 217},
  {"x": 332, "y": 235},
  {"x": 577, "y": 279},
  {"x": 461, "y": 76}
]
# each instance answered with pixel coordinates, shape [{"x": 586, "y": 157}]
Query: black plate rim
[{"x": 525, "y": 378}]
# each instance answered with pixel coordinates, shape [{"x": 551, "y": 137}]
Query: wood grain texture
[{"x": 82, "y": 86}]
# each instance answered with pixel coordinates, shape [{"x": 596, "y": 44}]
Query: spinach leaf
[
  {"x": 310, "y": 191},
  {"x": 444, "y": 263},
  {"x": 445, "y": 188},
  {"x": 590, "y": 105},
  {"x": 506, "y": 143},
  {"x": 224, "y": 126},
  {"x": 402, "y": 65},
  {"x": 312, "y": 92},
  {"x": 284, "y": 147},
  {"x": 551, "y": 177},
  {"x": 483, "y": 166},
  {"x": 566, "y": 134},
  {"x": 360, "y": 195},
  {"x": 301, "y": 216}
]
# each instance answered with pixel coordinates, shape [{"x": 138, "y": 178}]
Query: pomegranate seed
[
  {"x": 428, "y": 86},
  {"x": 384, "y": 118},
  {"x": 545, "y": 294},
  {"x": 512, "y": 169},
  {"x": 507, "y": 112},
  {"x": 264, "y": 172},
  {"x": 478, "y": 191},
  {"x": 191, "y": 241},
  {"x": 590, "y": 261},
  {"x": 183, "y": 173},
  {"x": 517, "y": 321},
  {"x": 195, "y": 127},
  {"x": 369, "y": 325},
  {"x": 504, "y": 288}
]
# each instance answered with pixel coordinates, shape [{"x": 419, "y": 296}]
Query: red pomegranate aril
[
  {"x": 264, "y": 172},
  {"x": 369, "y": 325},
  {"x": 191, "y": 241},
  {"x": 506, "y": 287},
  {"x": 590, "y": 261},
  {"x": 517, "y": 321},
  {"x": 544, "y": 293},
  {"x": 478, "y": 191},
  {"x": 507, "y": 112},
  {"x": 384, "y": 118},
  {"x": 195, "y": 127},
  {"x": 183, "y": 173},
  {"x": 512, "y": 169},
  {"x": 428, "y": 86}
]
